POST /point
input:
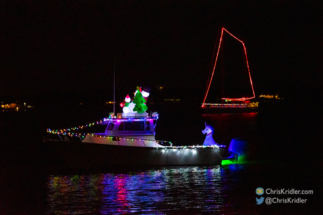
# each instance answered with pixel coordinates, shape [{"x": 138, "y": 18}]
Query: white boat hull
[{"x": 88, "y": 155}]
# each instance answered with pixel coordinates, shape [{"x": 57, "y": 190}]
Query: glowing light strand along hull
[
  {"x": 216, "y": 59},
  {"x": 90, "y": 155}
]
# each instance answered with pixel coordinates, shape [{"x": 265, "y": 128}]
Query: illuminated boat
[
  {"x": 129, "y": 139},
  {"x": 136, "y": 146},
  {"x": 225, "y": 104}
]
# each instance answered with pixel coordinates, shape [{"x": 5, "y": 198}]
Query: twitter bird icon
[{"x": 260, "y": 200}]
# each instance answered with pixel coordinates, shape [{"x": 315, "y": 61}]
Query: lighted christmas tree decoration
[
  {"x": 139, "y": 102},
  {"x": 129, "y": 106}
]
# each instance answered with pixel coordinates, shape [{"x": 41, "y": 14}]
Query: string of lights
[
  {"x": 190, "y": 147},
  {"x": 83, "y": 135},
  {"x": 223, "y": 104},
  {"x": 67, "y": 131}
]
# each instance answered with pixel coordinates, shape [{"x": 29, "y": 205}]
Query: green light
[{"x": 241, "y": 160}]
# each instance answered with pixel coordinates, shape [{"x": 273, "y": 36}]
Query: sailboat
[{"x": 230, "y": 102}]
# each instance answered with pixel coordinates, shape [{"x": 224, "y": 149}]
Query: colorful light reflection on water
[{"x": 149, "y": 191}]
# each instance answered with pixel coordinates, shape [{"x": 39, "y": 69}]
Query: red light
[
  {"x": 216, "y": 59},
  {"x": 121, "y": 104}
]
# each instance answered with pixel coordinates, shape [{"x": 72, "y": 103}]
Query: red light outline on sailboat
[{"x": 216, "y": 59}]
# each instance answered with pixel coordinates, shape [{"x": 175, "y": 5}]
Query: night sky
[{"x": 59, "y": 46}]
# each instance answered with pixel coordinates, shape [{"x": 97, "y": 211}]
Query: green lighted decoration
[
  {"x": 139, "y": 102},
  {"x": 241, "y": 160}
]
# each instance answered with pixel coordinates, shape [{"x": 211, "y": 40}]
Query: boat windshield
[
  {"x": 111, "y": 125},
  {"x": 134, "y": 126}
]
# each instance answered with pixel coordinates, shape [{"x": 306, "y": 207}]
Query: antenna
[{"x": 114, "y": 87}]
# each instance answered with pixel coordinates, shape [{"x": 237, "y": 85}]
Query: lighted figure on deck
[
  {"x": 127, "y": 105},
  {"x": 145, "y": 93},
  {"x": 209, "y": 141},
  {"x": 138, "y": 105}
]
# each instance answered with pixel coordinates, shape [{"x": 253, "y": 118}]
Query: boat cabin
[
  {"x": 127, "y": 131},
  {"x": 130, "y": 126}
]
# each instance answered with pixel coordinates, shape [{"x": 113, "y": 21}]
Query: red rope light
[{"x": 216, "y": 59}]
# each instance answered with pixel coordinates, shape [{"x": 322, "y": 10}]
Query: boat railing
[{"x": 143, "y": 140}]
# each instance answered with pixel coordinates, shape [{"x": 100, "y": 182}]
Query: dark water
[
  {"x": 181, "y": 190},
  {"x": 149, "y": 191},
  {"x": 288, "y": 156}
]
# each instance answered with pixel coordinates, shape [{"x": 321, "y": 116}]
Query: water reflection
[{"x": 158, "y": 190}]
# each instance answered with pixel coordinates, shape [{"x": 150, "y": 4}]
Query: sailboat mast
[
  {"x": 114, "y": 88},
  {"x": 222, "y": 76}
]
